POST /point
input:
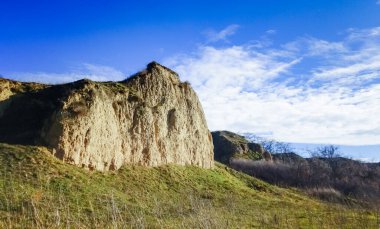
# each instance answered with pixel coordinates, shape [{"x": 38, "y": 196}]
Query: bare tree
[
  {"x": 327, "y": 151},
  {"x": 270, "y": 145},
  {"x": 282, "y": 147}
]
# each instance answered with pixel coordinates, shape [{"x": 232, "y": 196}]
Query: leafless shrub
[
  {"x": 350, "y": 178},
  {"x": 270, "y": 145},
  {"x": 273, "y": 172},
  {"x": 327, "y": 151},
  {"x": 78, "y": 108},
  {"x": 329, "y": 194}
]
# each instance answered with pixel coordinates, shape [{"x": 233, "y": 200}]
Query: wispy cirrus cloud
[
  {"x": 356, "y": 62},
  {"x": 363, "y": 34},
  {"x": 310, "y": 46},
  {"x": 222, "y": 35},
  {"x": 308, "y": 90},
  {"x": 88, "y": 71}
]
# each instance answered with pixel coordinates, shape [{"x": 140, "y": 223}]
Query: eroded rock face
[{"x": 149, "y": 119}]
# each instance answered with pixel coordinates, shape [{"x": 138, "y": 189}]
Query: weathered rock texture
[
  {"x": 229, "y": 146},
  {"x": 10, "y": 87},
  {"x": 149, "y": 119}
]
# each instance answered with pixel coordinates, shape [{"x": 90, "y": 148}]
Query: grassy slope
[{"x": 38, "y": 190}]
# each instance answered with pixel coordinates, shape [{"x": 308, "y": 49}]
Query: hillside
[
  {"x": 40, "y": 191},
  {"x": 137, "y": 153},
  {"x": 336, "y": 179}
]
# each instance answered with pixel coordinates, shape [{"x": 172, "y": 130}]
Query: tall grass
[{"x": 38, "y": 191}]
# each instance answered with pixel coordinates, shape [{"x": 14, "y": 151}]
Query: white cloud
[
  {"x": 271, "y": 31},
  {"x": 347, "y": 71},
  {"x": 315, "y": 47},
  {"x": 356, "y": 60},
  {"x": 255, "y": 89},
  {"x": 88, "y": 71},
  {"x": 214, "y": 36},
  {"x": 363, "y": 34}
]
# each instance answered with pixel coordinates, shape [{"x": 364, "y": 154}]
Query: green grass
[{"x": 39, "y": 191}]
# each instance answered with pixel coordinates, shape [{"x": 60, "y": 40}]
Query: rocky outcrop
[
  {"x": 10, "y": 88},
  {"x": 150, "y": 119},
  {"x": 229, "y": 146}
]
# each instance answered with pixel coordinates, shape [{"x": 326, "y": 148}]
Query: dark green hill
[{"x": 229, "y": 146}]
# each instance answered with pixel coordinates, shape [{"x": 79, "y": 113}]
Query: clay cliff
[{"x": 150, "y": 119}]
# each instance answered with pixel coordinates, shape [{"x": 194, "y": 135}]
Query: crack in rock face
[{"x": 149, "y": 119}]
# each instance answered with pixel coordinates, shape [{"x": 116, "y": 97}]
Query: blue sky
[
  {"x": 298, "y": 71},
  {"x": 56, "y": 36}
]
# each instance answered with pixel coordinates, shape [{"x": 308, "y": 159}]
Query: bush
[{"x": 326, "y": 178}]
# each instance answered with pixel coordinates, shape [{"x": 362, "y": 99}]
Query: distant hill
[
  {"x": 365, "y": 153},
  {"x": 229, "y": 146}
]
